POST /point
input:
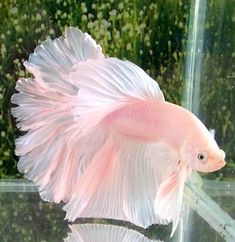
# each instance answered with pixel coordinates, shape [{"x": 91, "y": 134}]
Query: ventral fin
[{"x": 168, "y": 200}]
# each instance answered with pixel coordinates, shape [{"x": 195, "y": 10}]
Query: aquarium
[{"x": 188, "y": 47}]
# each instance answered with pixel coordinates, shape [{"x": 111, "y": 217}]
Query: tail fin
[
  {"x": 62, "y": 109},
  {"x": 53, "y": 153}
]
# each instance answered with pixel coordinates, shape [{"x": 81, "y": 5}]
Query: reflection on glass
[{"x": 104, "y": 233}]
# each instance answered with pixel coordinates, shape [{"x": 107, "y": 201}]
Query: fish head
[
  {"x": 205, "y": 160},
  {"x": 202, "y": 153}
]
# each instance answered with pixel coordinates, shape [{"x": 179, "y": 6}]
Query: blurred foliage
[
  {"x": 25, "y": 217},
  {"x": 151, "y": 34},
  {"x": 218, "y": 80}
]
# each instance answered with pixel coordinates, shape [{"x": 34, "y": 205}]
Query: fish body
[
  {"x": 147, "y": 120},
  {"x": 102, "y": 139}
]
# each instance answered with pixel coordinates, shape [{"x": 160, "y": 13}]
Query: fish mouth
[{"x": 217, "y": 165}]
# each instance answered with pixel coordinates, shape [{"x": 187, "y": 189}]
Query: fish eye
[{"x": 202, "y": 156}]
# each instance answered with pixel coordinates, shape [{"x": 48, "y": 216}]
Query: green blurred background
[{"x": 152, "y": 34}]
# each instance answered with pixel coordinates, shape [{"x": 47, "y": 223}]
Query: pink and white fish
[{"x": 102, "y": 139}]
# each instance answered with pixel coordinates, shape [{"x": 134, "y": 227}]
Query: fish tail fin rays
[
  {"x": 55, "y": 155},
  {"x": 168, "y": 201},
  {"x": 53, "y": 150},
  {"x": 68, "y": 150}
]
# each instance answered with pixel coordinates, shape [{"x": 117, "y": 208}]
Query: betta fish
[{"x": 100, "y": 137}]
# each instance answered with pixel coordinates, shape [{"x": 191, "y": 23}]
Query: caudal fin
[
  {"x": 53, "y": 153},
  {"x": 68, "y": 150}
]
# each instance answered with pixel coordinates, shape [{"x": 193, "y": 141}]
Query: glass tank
[
  {"x": 202, "y": 76},
  {"x": 25, "y": 217}
]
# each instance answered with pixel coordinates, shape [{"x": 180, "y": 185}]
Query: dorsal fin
[{"x": 212, "y": 133}]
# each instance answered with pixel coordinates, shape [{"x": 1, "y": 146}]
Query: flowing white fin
[
  {"x": 104, "y": 233},
  {"x": 73, "y": 89},
  {"x": 168, "y": 200},
  {"x": 49, "y": 151},
  {"x": 124, "y": 183}
]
